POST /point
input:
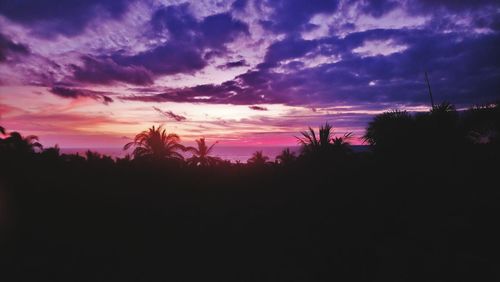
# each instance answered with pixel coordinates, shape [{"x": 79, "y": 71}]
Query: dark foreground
[
  {"x": 366, "y": 219},
  {"x": 423, "y": 205}
]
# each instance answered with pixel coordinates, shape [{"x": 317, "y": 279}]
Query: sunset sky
[{"x": 94, "y": 73}]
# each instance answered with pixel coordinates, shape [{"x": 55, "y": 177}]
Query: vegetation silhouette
[
  {"x": 324, "y": 147},
  {"x": 201, "y": 154},
  {"x": 420, "y": 204},
  {"x": 258, "y": 159},
  {"x": 286, "y": 157},
  {"x": 155, "y": 143},
  {"x": 15, "y": 143},
  {"x": 391, "y": 131}
]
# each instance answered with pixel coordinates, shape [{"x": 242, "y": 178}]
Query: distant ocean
[{"x": 231, "y": 153}]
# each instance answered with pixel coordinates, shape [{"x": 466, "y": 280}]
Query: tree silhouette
[
  {"x": 326, "y": 146},
  {"x": 286, "y": 157},
  {"x": 310, "y": 143},
  {"x": 481, "y": 124},
  {"x": 201, "y": 154},
  {"x": 442, "y": 124},
  {"x": 15, "y": 142},
  {"x": 2, "y": 130},
  {"x": 342, "y": 144},
  {"x": 157, "y": 144},
  {"x": 52, "y": 153},
  {"x": 258, "y": 159},
  {"x": 391, "y": 130}
]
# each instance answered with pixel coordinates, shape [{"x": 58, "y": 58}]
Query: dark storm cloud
[
  {"x": 8, "y": 47},
  {"x": 74, "y": 93},
  {"x": 106, "y": 71},
  {"x": 52, "y": 17}
]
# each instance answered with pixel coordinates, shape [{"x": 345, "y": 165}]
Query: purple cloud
[
  {"x": 191, "y": 44},
  {"x": 235, "y": 64},
  {"x": 106, "y": 71},
  {"x": 212, "y": 32},
  {"x": 363, "y": 59},
  {"x": 51, "y": 17},
  {"x": 169, "y": 58},
  {"x": 451, "y": 5},
  {"x": 170, "y": 114},
  {"x": 258, "y": 108},
  {"x": 73, "y": 93},
  {"x": 453, "y": 65},
  {"x": 291, "y": 16},
  {"x": 8, "y": 47},
  {"x": 378, "y": 8}
]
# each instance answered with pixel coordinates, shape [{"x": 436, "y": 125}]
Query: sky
[{"x": 247, "y": 72}]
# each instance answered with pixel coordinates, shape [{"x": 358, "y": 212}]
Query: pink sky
[{"x": 86, "y": 122}]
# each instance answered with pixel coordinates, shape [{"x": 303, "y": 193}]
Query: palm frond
[{"x": 209, "y": 150}]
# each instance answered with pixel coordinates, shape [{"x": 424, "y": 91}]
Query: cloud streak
[
  {"x": 74, "y": 93},
  {"x": 170, "y": 115},
  {"x": 258, "y": 108}
]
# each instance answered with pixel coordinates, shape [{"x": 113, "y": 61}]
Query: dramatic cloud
[
  {"x": 289, "y": 16},
  {"x": 8, "y": 47},
  {"x": 106, "y": 71},
  {"x": 389, "y": 72},
  {"x": 251, "y": 55},
  {"x": 51, "y": 17},
  {"x": 169, "y": 58},
  {"x": 76, "y": 93},
  {"x": 378, "y": 8},
  {"x": 453, "y": 5},
  {"x": 170, "y": 114},
  {"x": 189, "y": 46}
]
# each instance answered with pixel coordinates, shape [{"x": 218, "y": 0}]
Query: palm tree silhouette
[
  {"x": 156, "y": 143},
  {"x": 286, "y": 157},
  {"x": 201, "y": 154},
  {"x": 16, "y": 142},
  {"x": 342, "y": 143},
  {"x": 309, "y": 138},
  {"x": 258, "y": 159}
]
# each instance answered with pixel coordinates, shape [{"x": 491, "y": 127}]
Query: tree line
[{"x": 442, "y": 130}]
